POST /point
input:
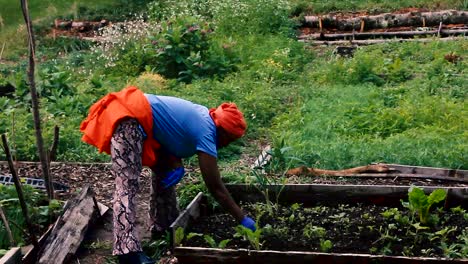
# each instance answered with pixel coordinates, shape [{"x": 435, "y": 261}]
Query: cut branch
[
  {"x": 53, "y": 149},
  {"x": 387, "y": 20},
  {"x": 35, "y": 101},
  {"x": 7, "y": 227}
]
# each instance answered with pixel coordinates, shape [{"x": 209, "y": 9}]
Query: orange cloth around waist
[{"x": 105, "y": 115}]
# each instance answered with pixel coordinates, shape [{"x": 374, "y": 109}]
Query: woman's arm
[{"x": 209, "y": 169}]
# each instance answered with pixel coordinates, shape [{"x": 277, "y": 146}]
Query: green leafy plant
[
  {"x": 212, "y": 243},
  {"x": 254, "y": 238},
  {"x": 325, "y": 245},
  {"x": 310, "y": 231},
  {"x": 421, "y": 203},
  {"x": 179, "y": 235},
  {"x": 38, "y": 208},
  {"x": 184, "y": 50}
]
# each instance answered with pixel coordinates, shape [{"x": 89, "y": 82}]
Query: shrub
[{"x": 184, "y": 50}]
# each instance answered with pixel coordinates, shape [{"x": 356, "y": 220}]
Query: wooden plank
[
  {"x": 13, "y": 256},
  {"x": 310, "y": 194},
  {"x": 429, "y": 171},
  {"x": 401, "y": 175},
  {"x": 191, "y": 213},
  {"x": 70, "y": 228},
  {"x": 367, "y": 35},
  {"x": 30, "y": 254},
  {"x": 196, "y": 255},
  {"x": 377, "y": 41}
]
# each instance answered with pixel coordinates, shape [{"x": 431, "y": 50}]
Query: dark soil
[
  {"x": 351, "y": 229},
  {"x": 97, "y": 247},
  {"x": 97, "y": 175},
  {"x": 374, "y": 181}
]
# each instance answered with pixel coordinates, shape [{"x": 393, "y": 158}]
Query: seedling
[
  {"x": 251, "y": 236},
  {"x": 310, "y": 231},
  {"x": 420, "y": 203},
  {"x": 325, "y": 245},
  {"x": 180, "y": 235},
  {"x": 210, "y": 240}
]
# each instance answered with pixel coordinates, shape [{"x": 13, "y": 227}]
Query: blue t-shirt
[{"x": 182, "y": 127}]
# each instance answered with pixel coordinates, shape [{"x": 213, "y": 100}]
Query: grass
[
  {"x": 400, "y": 102},
  {"x": 356, "y": 112},
  {"x": 12, "y": 30}
]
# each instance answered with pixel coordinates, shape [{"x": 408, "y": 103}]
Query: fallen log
[
  {"x": 398, "y": 34},
  {"x": 303, "y": 170},
  {"x": 79, "y": 25},
  {"x": 70, "y": 229},
  {"x": 387, "y": 20},
  {"x": 377, "y": 171}
]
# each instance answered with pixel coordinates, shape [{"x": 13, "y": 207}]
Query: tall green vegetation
[{"x": 400, "y": 102}]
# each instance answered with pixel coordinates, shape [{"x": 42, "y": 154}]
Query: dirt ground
[{"x": 97, "y": 247}]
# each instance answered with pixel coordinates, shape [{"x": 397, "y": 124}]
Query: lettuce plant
[
  {"x": 421, "y": 203},
  {"x": 252, "y": 236}
]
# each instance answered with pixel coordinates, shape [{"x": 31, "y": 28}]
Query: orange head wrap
[{"x": 229, "y": 118}]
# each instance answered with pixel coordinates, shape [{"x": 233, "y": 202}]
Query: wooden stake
[
  {"x": 438, "y": 31},
  {"x": 35, "y": 100},
  {"x": 1, "y": 52},
  {"x": 53, "y": 149},
  {"x": 320, "y": 23},
  {"x": 19, "y": 190},
  {"x": 7, "y": 227}
]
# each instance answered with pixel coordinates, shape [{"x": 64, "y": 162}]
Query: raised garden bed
[{"x": 358, "y": 221}]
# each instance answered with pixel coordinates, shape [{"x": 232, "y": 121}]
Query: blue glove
[
  {"x": 173, "y": 177},
  {"x": 248, "y": 223}
]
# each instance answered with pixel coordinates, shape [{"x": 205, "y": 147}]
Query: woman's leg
[
  {"x": 126, "y": 150},
  {"x": 163, "y": 208}
]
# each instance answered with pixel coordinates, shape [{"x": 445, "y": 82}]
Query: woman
[{"x": 139, "y": 129}]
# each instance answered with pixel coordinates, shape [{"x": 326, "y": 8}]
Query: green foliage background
[{"x": 397, "y": 103}]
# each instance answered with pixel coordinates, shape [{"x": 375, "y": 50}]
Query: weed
[{"x": 99, "y": 245}]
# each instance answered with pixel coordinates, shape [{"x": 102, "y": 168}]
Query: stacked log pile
[{"x": 370, "y": 29}]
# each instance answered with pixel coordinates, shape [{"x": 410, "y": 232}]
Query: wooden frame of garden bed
[{"x": 307, "y": 194}]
